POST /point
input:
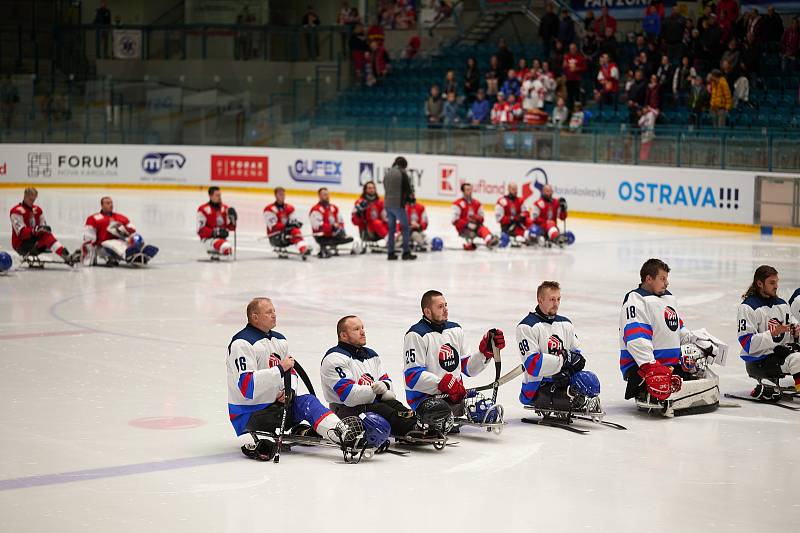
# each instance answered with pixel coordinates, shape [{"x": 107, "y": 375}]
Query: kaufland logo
[
  {"x": 155, "y": 162},
  {"x": 447, "y": 180}
]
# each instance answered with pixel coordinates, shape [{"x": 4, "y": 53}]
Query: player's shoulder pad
[
  {"x": 451, "y": 325},
  {"x": 755, "y": 302},
  {"x": 637, "y": 293},
  {"x": 530, "y": 320},
  {"x": 334, "y": 352},
  {"x": 421, "y": 328},
  {"x": 97, "y": 216},
  {"x": 794, "y": 296},
  {"x": 560, "y": 318},
  {"x": 205, "y": 208}
]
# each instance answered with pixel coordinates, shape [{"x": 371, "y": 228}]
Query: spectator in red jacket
[
  {"x": 790, "y": 44},
  {"x": 727, "y": 14},
  {"x": 653, "y": 95},
  {"x": 468, "y": 220},
  {"x": 605, "y": 21},
  {"x": 574, "y": 66},
  {"x": 607, "y": 82}
]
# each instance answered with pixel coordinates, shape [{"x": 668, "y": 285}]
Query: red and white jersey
[
  {"x": 544, "y": 211},
  {"x": 466, "y": 211},
  {"x": 515, "y": 112},
  {"x": 508, "y": 208},
  {"x": 325, "y": 219},
  {"x": 374, "y": 211},
  {"x": 24, "y": 220},
  {"x": 102, "y": 227},
  {"x": 212, "y": 216},
  {"x": 500, "y": 113},
  {"x": 277, "y": 216},
  {"x": 417, "y": 216}
]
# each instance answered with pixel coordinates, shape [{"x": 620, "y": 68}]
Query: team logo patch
[
  {"x": 448, "y": 357},
  {"x": 775, "y": 322},
  {"x": 274, "y": 360},
  {"x": 366, "y": 379},
  {"x": 671, "y": 318},
  {"x": 554, "y": 344}
]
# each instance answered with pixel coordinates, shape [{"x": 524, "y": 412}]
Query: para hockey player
[
  {"x": 369, "y": 215},
  {"x": 327, "y": 224},
  {"x": 258, "y": 360},
  {"x": 112, "y": 237},
  {"x": 769, "y": 335},
  {"x": 283, "y": 226},
  {"x": 663, "y": 362},
  {"x": 417, "y": 224},
  {"x": 30, "y": 234},
  {"x": 545, "y": 213},
  {"x": 215, "y": 221},
  {"x": 436, "y": 358},
  {"x": 354, "y": 381},
  {"x": 512, "y": 215},
  {"x": 554, "y": 379},
  {"x": 468, "y": 220}
]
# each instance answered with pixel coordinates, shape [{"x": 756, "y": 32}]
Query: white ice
[{"x": 86, "y": 352}]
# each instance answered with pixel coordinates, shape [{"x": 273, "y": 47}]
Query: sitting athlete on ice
[
  {"x": 659, "y": 357},
  {"x": 436, "y": 358},
  {"x": 258, "y": 358},
  {"x": 112, "y": 237},
  {"x": 283, "y": 226},
  {"x": 554, "y": 378},
  {"x": 215, "y": 221},
  {"x": 417, "y": 224},
  {"x": 30, "y": 234},
  {"x": 327, "y": 224},
  {"x": 354, "y": 382},
  {"x": 512, "y": 215},
  {"x": 544, "y": 215},
  {"x": 769, "y": 335},
  {"x": 368, "y": 214},
  {"x": 794, "y": 304},
  {"x": 468, "y": 220}
]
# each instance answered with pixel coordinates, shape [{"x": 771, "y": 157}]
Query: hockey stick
[
  {"x": 497, "y": 367},
  {"x": 287, "y": 399},
  {"x": 234, "y": 244},
  {"x": 303, "y": 376},
  {"x": 517, "y": 371}
]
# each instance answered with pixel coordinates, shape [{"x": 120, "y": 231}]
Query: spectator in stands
[
  {"x": 550, "y": 84},
  {"x": 504, "y": 56},
  {"x": 605, "y": 22},
  {"x": 376, "y": 32},
  {"x": 651, "y": 23},
  {"x": 658, "y": 5},
  {"x": 536, "y": 66},
  {"x": 522, "y": 69},
  {"x": 574, "y": 66},
  {"x": 790, "y": 44},
  {"x": 512, "y": 84},
  {"x": 102, "y": 19},
  {"x": 727, "y": 14},
  {"x": 413, "y": 46},
  {"x": 515, "y": 111},
  {"x": 754, "y": 28},
  {"x": 682, "y": 80},
  {"x": 636, "y": 95},
  {"x": 664, "y": 75},
  {"x": 532, "y": 92},
  {"x": 647, "y": 125},
  {"x": 589, "y": 21},
  {"x": 642, "y": 62},
  {"x": 309, "y": 22},
  {"x": 608, "y": 43},
  {"x": 653, "y": 94},
  {"x": 492, "y": 77},
  {"x": 472, "y": 80},
  {"x": 720, "y": 101},
  {"x": 451, "y": 111},
  {"x": 731, "y": 54},
  {"x": 607, "y": 82},
  {"x": 434, "y": 108},
  {"x": 706, "y": 16},
  {"x": 358, "y": 49},
  {"x": 749, "y": 60},
  {"x": 500, "y": 111},
  {"x": 450, "y": 82},
  {"x": 566, "y": 28},
  {"x": 710, "y": 39},
  {"x": 729, "y": 73},
  {"x": 673, "y": 33},
  {"x": 590, "y": 47},
  {"x": 244, "y": 38},
  {"x": 381, "y": 64},
  {"x": 576, "y": 119},
  {"x": 556, "y": 58},
  {"x": 772, "y": 28},
  {"x": 548, "y": 29},
  {"x": 479, "y": 110},
  {"x": 694, "y": 48},
  {"x": 697, "y": 100},
  {"x": 560, "y": 113}
]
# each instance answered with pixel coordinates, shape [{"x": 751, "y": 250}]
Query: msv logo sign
[
  {"x": 316, "y": 171},
  {"x": 155, "y": 162}
]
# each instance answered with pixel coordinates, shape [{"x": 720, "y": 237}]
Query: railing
[{"x": 681, "y": 147}]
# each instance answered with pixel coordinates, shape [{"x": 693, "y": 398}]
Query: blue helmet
[
  {"x": 570, "y": 237},
  {"x": 586, "y": 383},
  {"x": 534, "y": 231},
  {"x": 376, "y": 430},
  {"x": 482, "y": 411},
  {"x": 505, "y": 240},
  {"x": 137, "y": 241},
  {"x": 5, "y": 262},
  {"x": 437, "y": 244}
]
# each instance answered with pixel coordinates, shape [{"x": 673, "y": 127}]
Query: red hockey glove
[
  {"x": 485, "y": 347},
  {"x": 453, "y": 387},
  {"x": 659, "y": 380}
]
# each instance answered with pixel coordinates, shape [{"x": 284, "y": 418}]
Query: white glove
[
  {"x": 379, "y": 388},
  {"x": 388, "y": 395}
]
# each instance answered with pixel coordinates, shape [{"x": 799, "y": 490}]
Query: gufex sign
[
  {"x": 316, "y": 171},
  {"x": 368, "y": 171}
]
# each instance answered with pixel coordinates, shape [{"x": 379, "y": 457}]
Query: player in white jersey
[
  {"x": 794, "y": 304},
  {"x": 258, "y": 358},
  {"x": 436, "y": 357},
  {"x": 658, "y": 354},
  {"x": 768, "y": 334},
  {"x": 354, "y": 382},
  {"x": 551, "y": 355}
]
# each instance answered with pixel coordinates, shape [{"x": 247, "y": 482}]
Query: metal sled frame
[
  {"x": 365, "y": 244},
  {"x": 665, "y": 407},
  {"x": 35, "y": 260},
  {"x": 284, "y": 252},
  {"x": 593, "y": 410},
  {"x": 438, "y": 441},
  {"x": 491, "y": 427},
  {"x": 350, "y": 455}
]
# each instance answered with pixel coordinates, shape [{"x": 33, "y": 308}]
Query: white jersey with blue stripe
[
  {"x": 348, "y": 372},
  {"x": 753, "y": 320},
  {"x": 541, "y": 339},
  {"x": 432, "y": 350},
  {"x": 794, "y": 304},
  {"x": 255, "y": 377},
  {"x": 650, "y": 330}
]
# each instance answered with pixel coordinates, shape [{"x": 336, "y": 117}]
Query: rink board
[{"x": 657, "y": 192}]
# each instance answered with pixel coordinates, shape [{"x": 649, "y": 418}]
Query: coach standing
[{"x": 398, "y": 193}]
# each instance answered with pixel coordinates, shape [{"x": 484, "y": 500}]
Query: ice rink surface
[{"x": 114, "y": 403}]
